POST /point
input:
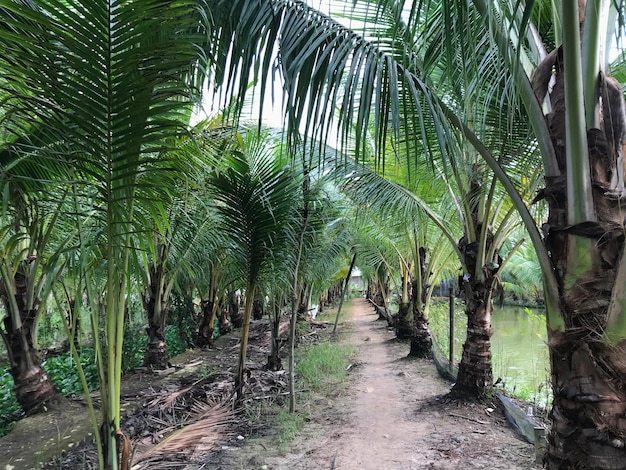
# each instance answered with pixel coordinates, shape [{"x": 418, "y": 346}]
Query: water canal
[{"x": 518, "y": 345}]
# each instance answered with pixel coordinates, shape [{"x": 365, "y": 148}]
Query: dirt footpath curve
[{"x": 394, "y": 418}]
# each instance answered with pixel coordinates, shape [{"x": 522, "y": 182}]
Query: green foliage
[
  {"x": 10, "y": 410},
  {"x": 134, "y": 347},
  {"x": 182, "y": 316},
  {"x": 63, "y": 372},
  {"x": 324, "y": 364},
  {"x": 173, "y": 339}
]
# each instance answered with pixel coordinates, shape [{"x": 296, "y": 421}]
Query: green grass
[
  {"x": 288, "y": 426},
  {"x": 320, "y": 367},
  {"x": 330, "y": 312},
  {"x": 323, "y": 364}
]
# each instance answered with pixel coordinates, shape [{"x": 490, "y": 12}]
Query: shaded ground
[
  {"x": 388, "y": 416},
  {"x": 392, "y": 417}
]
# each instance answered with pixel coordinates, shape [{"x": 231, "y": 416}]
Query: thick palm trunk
[
  {"x": 257, "y": 309},
  {"x": 156, "y": 355},
  {"x": 475, "y": 376},
  {"x": 236, "y": 315},
  {"x": 403, "y": 321},
  {"x": 205, "y": 331},
  {"x": 588, "y": 371},
  {"x": 421, "y": 340},
  {"x": 32, "y": 386},
  {"x": 223, "y": 321}
]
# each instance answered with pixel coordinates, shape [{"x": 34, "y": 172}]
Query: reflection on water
[
  {"x": 518, "y": 346},
  {"x": 520, "y": 352}
]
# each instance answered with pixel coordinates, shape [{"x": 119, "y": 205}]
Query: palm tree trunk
[
  {"x": 205, "y": 331},
  {"x": 257, "y": 309},
  {"x": 588, "y": 371},
  {"x": 239, "y": 381},
  {"x": 236, "y": 316},
  {"x": 475, "y": 376},
  {"x": 32, "y": 385},
  {"x": 156, "y": 355},
  {"x": 421, "y": 340},
  {"x": 33, "y": 388},
  {"x": 403, "y": 321},
  {"x": 273, "y": 360},
  {"x": 588, "y": 366},
  {"x": 223, "y": 317}
]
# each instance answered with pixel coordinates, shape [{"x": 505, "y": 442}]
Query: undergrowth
[
  {"x": 288, "y": 427},
  {"x": 320, "y": 369},
  {"x": 324, "y": 364},
  {"x": 64, "y": 374}
]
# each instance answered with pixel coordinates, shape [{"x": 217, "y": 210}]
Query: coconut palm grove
[{"x": 469, "y": 151}]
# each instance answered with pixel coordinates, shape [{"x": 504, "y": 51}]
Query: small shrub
[
  {"x": 64, "y": 374},
  {"x": 134, "y": 347},
  {"x": 10, "y": 410}
]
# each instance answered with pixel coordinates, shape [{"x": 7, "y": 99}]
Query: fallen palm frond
[
  {"x": 206, "y": 426},
  {"x": 214, "y": 393}
]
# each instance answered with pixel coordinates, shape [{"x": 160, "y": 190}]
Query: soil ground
[{"x": 391, "y": 414}]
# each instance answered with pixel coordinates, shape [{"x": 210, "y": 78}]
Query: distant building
[{"x": 356, "y": 280}]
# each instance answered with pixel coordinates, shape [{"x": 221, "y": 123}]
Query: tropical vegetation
[{"x": 460, "y": 126}]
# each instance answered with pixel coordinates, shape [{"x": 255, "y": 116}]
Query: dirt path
[{"x": 393, "y": 418}]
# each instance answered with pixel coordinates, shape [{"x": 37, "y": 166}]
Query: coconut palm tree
[
  {"x": 32, "y": 260},
  {"x": 100, "y": 88},
  {"x": 190, "y": 228},
  {"x": 256, "y": 194}
]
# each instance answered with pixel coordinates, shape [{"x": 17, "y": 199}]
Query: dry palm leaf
[{"x": 208, "y": 424}]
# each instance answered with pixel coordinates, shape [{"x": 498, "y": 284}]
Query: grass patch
[
  {"x": 320, "y": 367},
  {"x": 288, "y": 426},
  {"x": 330, "y": 313},
  {"x": 324, "y": 364}
]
